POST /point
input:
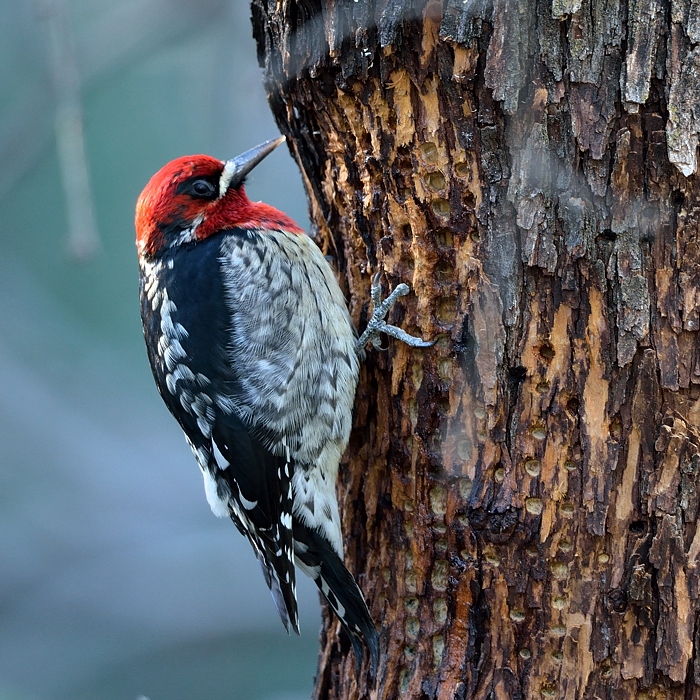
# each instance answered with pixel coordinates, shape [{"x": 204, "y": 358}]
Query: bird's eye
[{"x": 203, "y": 188}]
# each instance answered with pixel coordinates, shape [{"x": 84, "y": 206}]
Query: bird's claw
[{"x": 376, "y": 325}]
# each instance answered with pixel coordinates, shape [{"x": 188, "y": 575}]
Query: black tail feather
[
  {"x": 283, "y": 595},
  {"x": 345, "y": 598},
  {"x": 341, "y": 591},
  {"x": 260, "y": 505},
  {"x": 278, "y": 572}
]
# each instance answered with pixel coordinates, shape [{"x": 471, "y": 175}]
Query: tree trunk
[{"x": 519, "y": 502}]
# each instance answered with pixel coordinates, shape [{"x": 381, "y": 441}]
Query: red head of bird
[{"x": 193, "y": 197}]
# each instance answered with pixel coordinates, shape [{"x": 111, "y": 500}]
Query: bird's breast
[
  {"x": 291, "y": 339},
  {"x": 259, "y": 315}
]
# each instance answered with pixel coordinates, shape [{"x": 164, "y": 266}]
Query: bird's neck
[{"x": 235, "y": 210}]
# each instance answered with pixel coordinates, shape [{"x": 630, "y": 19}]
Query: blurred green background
[{"x": 116, "y": 581}]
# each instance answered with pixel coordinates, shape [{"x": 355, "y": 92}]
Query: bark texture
[{"x": 520, "y": 502}]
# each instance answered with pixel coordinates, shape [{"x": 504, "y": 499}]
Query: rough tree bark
[{"x": 520, "y": 502}]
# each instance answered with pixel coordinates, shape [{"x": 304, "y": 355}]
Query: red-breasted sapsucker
[{"x": 255, "y": 355}]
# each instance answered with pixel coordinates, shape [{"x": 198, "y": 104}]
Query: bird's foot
[{"x": 377, "y": 325}]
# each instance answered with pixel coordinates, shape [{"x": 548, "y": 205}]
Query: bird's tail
[
  {"x": 317, "y": 558},
  {"x": 283, "y": 591},
  {"x": 274, "y": 550}
]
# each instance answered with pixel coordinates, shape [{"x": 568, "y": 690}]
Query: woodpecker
[{"x": 254, "y": 353}]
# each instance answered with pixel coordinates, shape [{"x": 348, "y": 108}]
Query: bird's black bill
[{"x": 243, "y": 164}]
